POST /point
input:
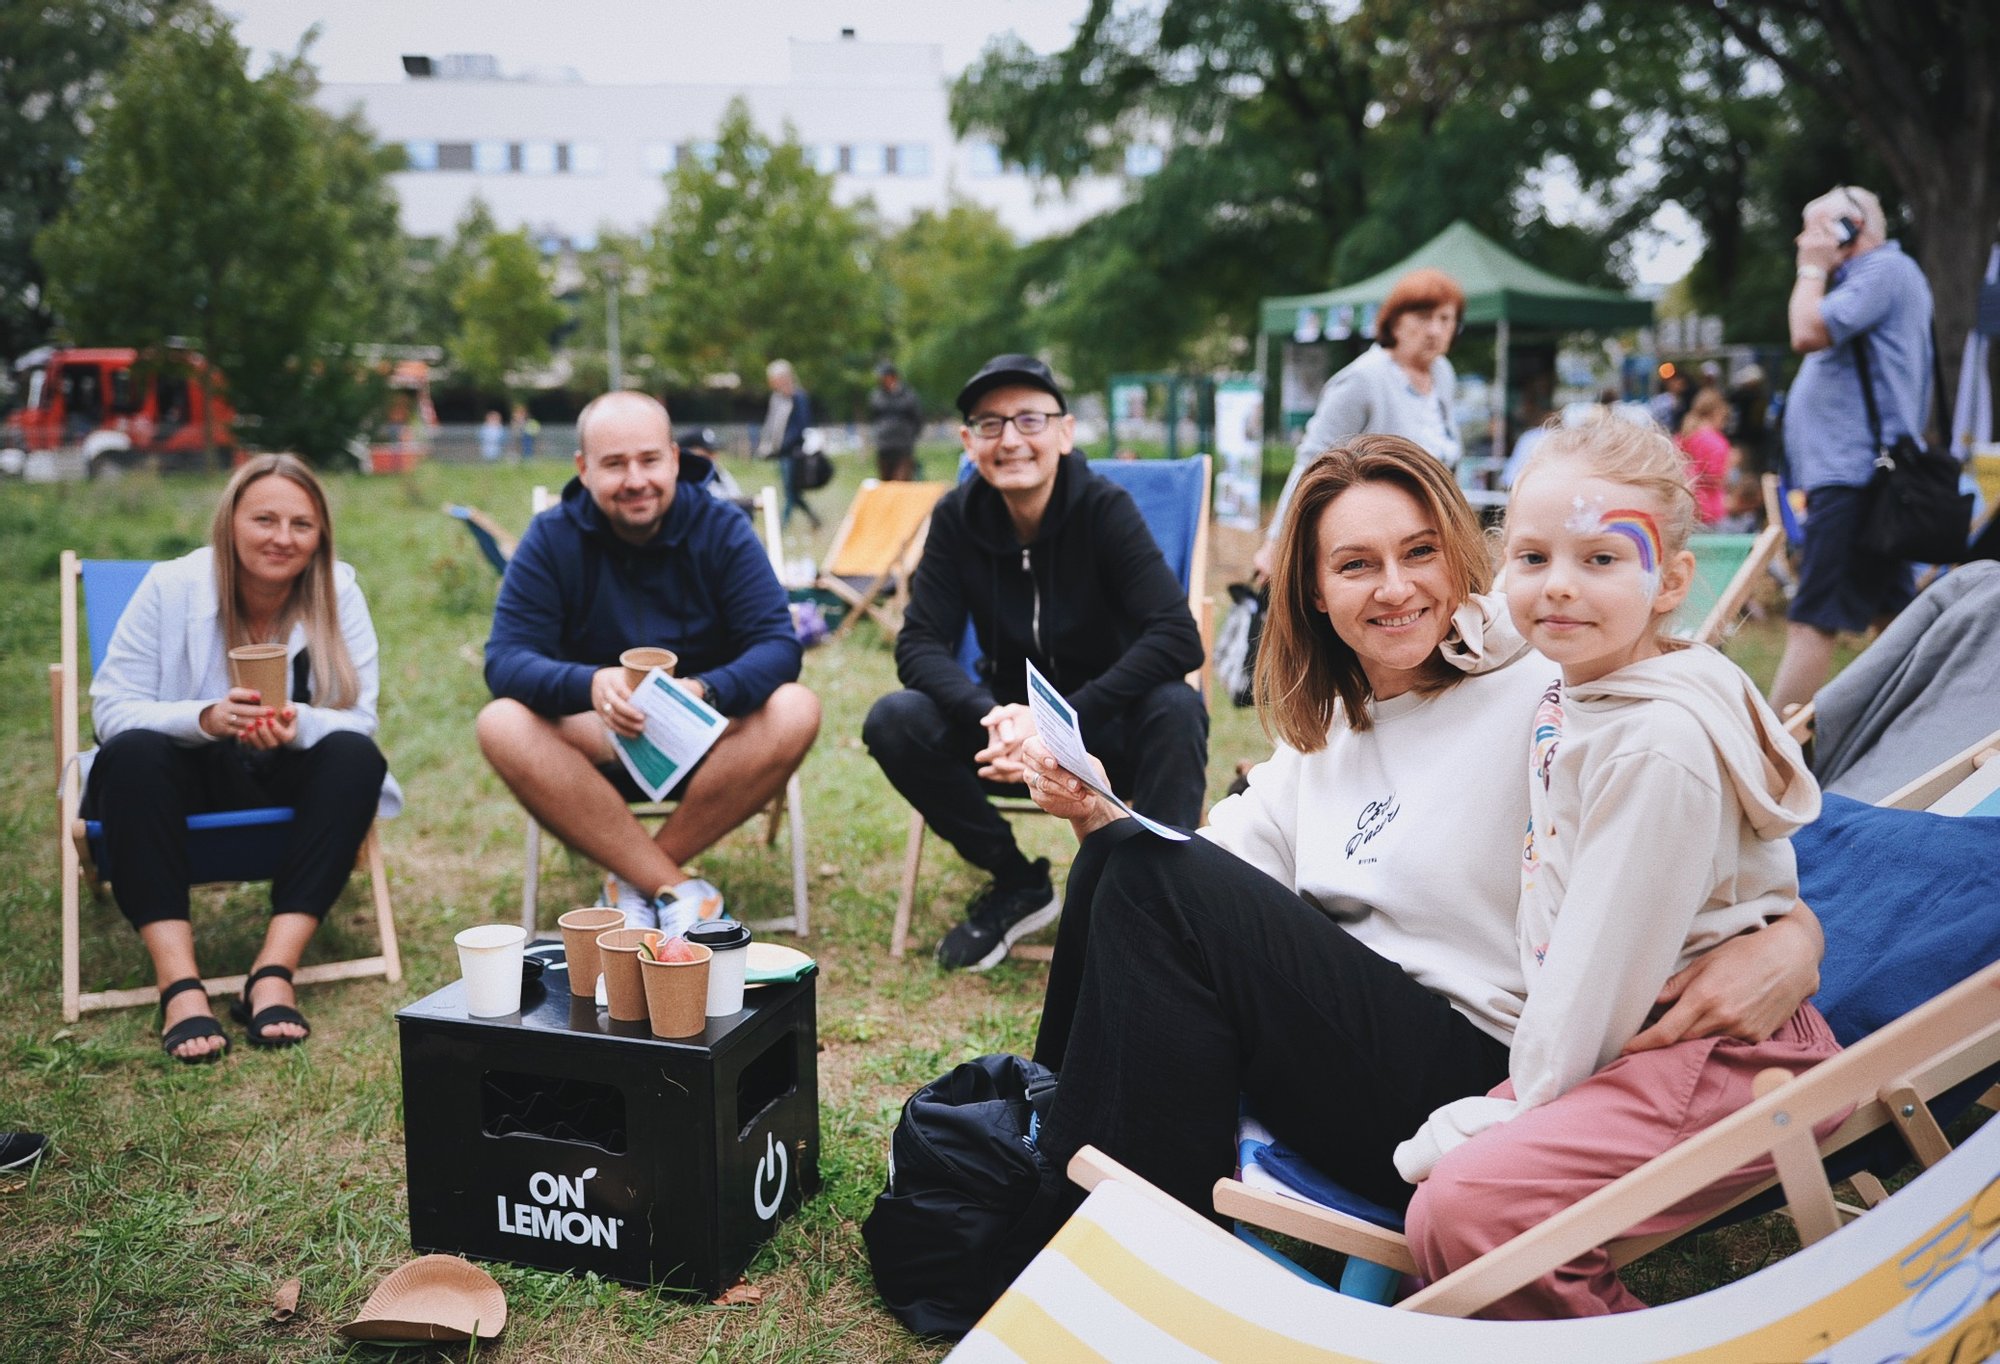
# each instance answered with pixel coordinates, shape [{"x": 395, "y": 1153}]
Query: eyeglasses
[{"x": 1030, "y": 423}]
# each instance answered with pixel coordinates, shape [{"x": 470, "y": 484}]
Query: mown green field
[{"x": 178, "y": 1199}]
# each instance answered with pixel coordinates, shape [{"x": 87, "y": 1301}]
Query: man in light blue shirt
[{"x": 1855, "y": 288}]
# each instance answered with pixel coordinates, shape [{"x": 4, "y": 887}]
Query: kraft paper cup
[
  {"x": 618, "y": 959},
  {"x": 677, "y": 993},
  {"x": 580, "y": 928},
  {"x": 260, "y": 667},
  {"x": 638, "y": 662},
  {"x": 489, "y": 957},
  {"x": 730, "y": 942}
]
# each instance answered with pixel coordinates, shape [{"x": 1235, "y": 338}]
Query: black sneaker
[
  {"x": 19, "y": 1150},
  {"x": 997, "y": 917}
]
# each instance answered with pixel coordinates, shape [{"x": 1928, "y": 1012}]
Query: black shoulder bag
[{"x": 1915, "y": 510}]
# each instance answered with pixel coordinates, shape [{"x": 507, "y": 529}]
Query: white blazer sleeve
[
  {"x": 126, "y": 685},
  {"x": 358, "y": 629}
]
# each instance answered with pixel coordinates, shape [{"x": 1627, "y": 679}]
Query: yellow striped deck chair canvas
[{"x": 1134, "y": 1276}]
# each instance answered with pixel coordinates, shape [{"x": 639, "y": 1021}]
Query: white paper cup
[
  {"x": 729, "y": 942},
  {"x": 489, "y": 957}
]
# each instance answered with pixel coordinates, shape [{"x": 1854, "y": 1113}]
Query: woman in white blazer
[{"x": 177, "y": 739}]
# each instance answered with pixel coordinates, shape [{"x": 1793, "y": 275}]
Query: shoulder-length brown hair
[
  {"x": 1303, "y": 667},
  {"x": 313, "y": 602}
]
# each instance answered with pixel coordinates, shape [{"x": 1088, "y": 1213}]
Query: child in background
[
  {"x": 1662, "y": 793},
  {"x": 1707, "y": 451}
]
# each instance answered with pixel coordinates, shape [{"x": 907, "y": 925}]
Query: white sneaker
[
  {"x": 691, "y": 902},
  {"x": 635, "y": 904}
]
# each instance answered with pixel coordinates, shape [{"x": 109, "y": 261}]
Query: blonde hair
[
  {"x": 1641, "y": 457},
  {"x": 312, "y": 602},
  {"x": 1303, "y": 667},
  {"x": 1708, "y": 406}
]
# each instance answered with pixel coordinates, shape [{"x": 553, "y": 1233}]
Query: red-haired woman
[
  {"x": 1401, "y": 386},
  {"x": 178, "y": 739}
]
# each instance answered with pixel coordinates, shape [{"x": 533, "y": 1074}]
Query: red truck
[{"x": 120, "y": 412}]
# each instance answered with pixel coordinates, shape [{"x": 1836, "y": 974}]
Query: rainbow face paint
[{"x": 1644, "y": 533}]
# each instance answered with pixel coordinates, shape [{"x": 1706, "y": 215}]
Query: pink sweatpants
[{"x": 1512, "y": 1177}]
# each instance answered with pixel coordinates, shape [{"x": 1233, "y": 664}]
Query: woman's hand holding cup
[{"x": 235, "y": 714}]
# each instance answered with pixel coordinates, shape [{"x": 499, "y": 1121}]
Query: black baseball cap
[
  {"x": 699, "y": 439},
  {"x": 1003, "y": 370}
]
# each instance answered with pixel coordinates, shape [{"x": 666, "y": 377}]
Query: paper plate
[
  {"x": 433, "y": 1297},
  {"x": 773, "y": 963}
]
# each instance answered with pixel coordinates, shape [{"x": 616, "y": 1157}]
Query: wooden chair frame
[
  {"x": 788, "y": 805},
  {"x": 894, "y": 571},
  {"x": 74, "y": 852},
  {"x": 1201, "y": 606},
  {"x": 1890, "y": 1076}
]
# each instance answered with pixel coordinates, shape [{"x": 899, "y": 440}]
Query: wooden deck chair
[
  {"x": 787, "y": 808},
  {"x": 495, "y": 544},
  {"x": 230, "y": 846},
  {"x": 1136, "y": 1278},
  {"x": 1726, "y": 573},
  {"x": 1173, "y": 497},
  {"x": 1944, "y": 1052},
  {"x": 875, "y": 550}
]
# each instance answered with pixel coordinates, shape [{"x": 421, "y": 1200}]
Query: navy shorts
[
  {"x": 631, "y": 792},
  {"x": 1841, "y": 585}
]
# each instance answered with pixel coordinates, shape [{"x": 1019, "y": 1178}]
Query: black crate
[{"x": 563, "y": 1139}]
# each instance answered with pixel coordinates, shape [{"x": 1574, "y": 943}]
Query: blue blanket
[{"x": 1910, "y": 902}]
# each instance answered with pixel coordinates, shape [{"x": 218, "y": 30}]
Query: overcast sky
[
  {"x": 641, "y": 42},
  {"x": 617, "y": 42}
]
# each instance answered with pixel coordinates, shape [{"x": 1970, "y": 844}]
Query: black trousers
[
  {"x": 1187, "y": 982},
  {"x": 1156, "y": 755},
  {"x": 143, "y": 786}
]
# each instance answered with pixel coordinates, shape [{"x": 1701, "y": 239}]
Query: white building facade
[{"x": 566, "y": 159}]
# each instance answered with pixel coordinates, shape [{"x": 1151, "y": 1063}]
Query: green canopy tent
[{"x": 1502, "y": 291}]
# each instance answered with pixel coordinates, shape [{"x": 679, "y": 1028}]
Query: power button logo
[{"x": 772, "y": 1169}]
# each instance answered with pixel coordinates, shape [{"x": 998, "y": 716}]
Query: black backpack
[{"x": 967, "y": 1204}]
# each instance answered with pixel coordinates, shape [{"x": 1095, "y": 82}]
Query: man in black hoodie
[{"x": 1051, "y": 564}]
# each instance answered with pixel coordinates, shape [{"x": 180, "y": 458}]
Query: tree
[
  {"x": 506, "y": 313},
  {"x": 752, "y": 260},
  {"x": 55, "y": 60},
  {"x": 1919, "y": 87},
  {"x": 954, "y": 282},
  {"x": 231, "y": 211},
  {"x": 1305, "y": 143}
]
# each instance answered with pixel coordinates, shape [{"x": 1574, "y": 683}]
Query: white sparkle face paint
[{"x": 1585, "y": 517}]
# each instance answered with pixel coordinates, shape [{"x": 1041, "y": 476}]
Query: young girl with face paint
[{"x": 1662, "y": 792}]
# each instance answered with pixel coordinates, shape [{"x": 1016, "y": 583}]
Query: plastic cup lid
[{"x": 720, "y": 935}]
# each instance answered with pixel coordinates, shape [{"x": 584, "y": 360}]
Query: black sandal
[
  {"x": 255, "y": 1024},
  {"x": 189, "y": 1029}
]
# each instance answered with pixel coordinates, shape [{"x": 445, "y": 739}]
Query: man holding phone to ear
[{"x": 1860, "y": 311}]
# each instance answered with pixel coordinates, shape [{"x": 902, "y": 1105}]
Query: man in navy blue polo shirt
[
  {"x": 640, "y": 553},
  {"x": 1855, "y": 289}
]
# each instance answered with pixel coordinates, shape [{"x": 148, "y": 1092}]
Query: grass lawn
[{"x": 178, "y": 1199}]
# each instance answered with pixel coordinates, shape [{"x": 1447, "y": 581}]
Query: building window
[
  {"x": 912, "y": 158},
  {"x": 982, "y": 160},
  {"x": 420, "y": 156},
  {"x": 843, "y": 161},
  {"x": 538, "y": 158},
  {"x": 1142, "y": 160},
  {"x": 868, "y": 158},
  {"x": 562, "y": 158},
  {"x": 823, "y": 157},
  {"x": 454, "y": 156},
  {"x": 656, "y": 158},
  {"x": 586, "y": 158},
  {"x": 491, "y": 158}
]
